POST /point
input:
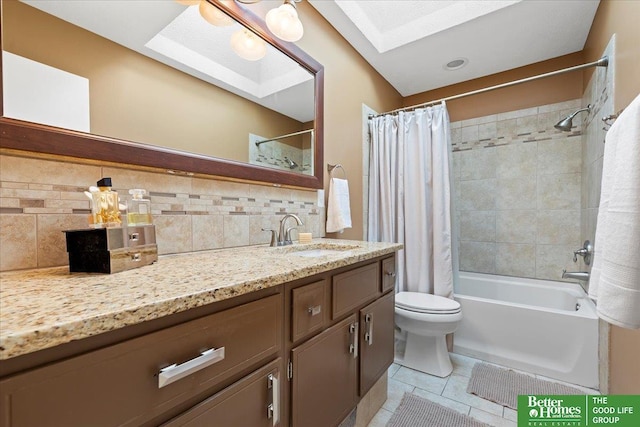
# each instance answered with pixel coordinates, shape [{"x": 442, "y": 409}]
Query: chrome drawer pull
[
  {"x": 353, "y": 347},
  {"x": 134, "y": 236},
  {"x": 390, "y": 273},
  {"x": 175, "y": 372},
  {"x": 136, "y": 257},
  {"x": 315, "y": 310},
  {"x": 368, "y": 336},
  {"x": 273, "y": 410}
]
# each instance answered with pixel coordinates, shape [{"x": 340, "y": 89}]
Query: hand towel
[
  {"x": 338, "y": 209},
  {"x": 615, "y": 276}
]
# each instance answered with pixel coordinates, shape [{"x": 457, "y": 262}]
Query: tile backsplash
[
  {"x": 518, "y": 185},
  {"x": 40, "y": 198}
]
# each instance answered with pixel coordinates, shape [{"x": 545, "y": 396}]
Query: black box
[{"x": 110, "y": 250}]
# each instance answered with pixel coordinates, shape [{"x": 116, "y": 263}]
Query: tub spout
[{"x": 576, "y": 275}]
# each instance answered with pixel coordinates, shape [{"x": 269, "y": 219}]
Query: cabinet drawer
[
  {"x": 309, "y": 309},
  {"x": 119, "y": 385},
  {"x": 253, "y": 401},
  {"x": 355, "y": 287},
  {"x": 388, "y": 274}
]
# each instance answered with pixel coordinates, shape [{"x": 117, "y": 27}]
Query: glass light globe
[
  {"x": 248, "y": 46},
  {"x": 213, "y": 15},
  {"x": 284, "y": 23}
]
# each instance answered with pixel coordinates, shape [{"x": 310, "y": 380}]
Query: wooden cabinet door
[
  {"x": 376, "y": 340},
  {"x": 324, "y": 383},
  {"x": 254, "y": 401}
]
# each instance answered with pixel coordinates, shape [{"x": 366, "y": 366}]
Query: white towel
[
  {"x": 338, "y": 209},
  {"x": 615, "y": 276}
]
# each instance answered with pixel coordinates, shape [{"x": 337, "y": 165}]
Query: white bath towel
[
  {"x": 615, "y": 276},
  {"x": 338, "y": 209}
]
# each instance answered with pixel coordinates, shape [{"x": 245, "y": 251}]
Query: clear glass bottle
[
  {"x": 138, "y": 208},
  {"x": 105, "y": 211}
]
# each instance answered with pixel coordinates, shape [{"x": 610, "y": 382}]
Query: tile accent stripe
[{"x": 191, "y": 214}]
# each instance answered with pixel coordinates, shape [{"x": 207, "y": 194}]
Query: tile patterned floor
[{"x": 450, "y": 392}]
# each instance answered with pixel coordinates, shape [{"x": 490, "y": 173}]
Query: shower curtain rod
[
  {"x": 602, "y": 62},
  {"x": 284, "y": 136}
]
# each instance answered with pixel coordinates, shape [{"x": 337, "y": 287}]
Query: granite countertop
[{"x": 46, "y": 307}]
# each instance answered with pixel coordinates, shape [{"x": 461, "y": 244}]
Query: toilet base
[{"x": 427, "y": 354}]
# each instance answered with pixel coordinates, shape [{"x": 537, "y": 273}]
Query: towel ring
[{"x": 331, "y": 168}]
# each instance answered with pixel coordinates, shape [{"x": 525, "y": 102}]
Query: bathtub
[{"x": 538, "y": 326}]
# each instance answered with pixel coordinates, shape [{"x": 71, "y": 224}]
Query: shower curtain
[{"x": 410, "y": 196}]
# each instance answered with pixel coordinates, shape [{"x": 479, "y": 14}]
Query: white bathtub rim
[
  {"x": 572, "y": 287},
  {"x": 587, "y": 306}
]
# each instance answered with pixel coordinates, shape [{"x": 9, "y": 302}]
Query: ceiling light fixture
[
  {"x": 247, "y": 45},
  {"x": 456, "y": 64},
  {"x": 213, "y": 15},
  {"x": 284, "y": 23}
]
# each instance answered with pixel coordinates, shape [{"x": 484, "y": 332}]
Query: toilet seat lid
[{"x": 426, "y": 303}]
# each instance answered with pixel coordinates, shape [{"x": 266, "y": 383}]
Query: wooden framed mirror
[{"x": 214, "y": 120}]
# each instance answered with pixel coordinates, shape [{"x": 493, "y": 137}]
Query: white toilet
[{"x": 426, "y": 319}]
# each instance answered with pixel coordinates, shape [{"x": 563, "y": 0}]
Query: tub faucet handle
[{"x": 585, "y": 252}]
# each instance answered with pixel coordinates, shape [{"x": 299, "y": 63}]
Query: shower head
[
  {"x": 566, "y": 124},
  {"x": 290, "y": 163}
]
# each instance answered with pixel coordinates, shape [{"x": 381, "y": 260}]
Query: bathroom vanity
[{"x": 253, "y": 336}]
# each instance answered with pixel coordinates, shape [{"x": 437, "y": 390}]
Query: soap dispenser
[
  {"x": 105, "y": 207},
  {"x": 138, "y": 208}
]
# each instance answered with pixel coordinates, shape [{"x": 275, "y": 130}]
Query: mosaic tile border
[
  {"x": 515, "y": 127},
  {"x": 16, "y": 198}
]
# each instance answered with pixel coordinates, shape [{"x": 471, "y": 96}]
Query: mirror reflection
[{"x": 158, "y": 73}]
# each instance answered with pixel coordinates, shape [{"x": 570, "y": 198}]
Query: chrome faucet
[
  {"x": 284, "y": 235},
  {"x": 576, "y": 275}
]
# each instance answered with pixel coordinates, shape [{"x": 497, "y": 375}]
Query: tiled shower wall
[
  {"x": 41, "y": 198},
  {"x": 599, "y": 93},
  {"x": 518, "y": 188},
  {"x": 274, "y": 155}
]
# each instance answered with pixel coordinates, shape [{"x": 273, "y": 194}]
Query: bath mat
[
  {"x": 503, "y": 386},
  {"x": 415, "y": 411}
]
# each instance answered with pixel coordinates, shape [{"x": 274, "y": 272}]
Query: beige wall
[
  {"x": 138, "y": 99},
  {"x": 540, "y": 92},
  {"x": 349, "y": 82},
  {"x": 620, "y": 17}
]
